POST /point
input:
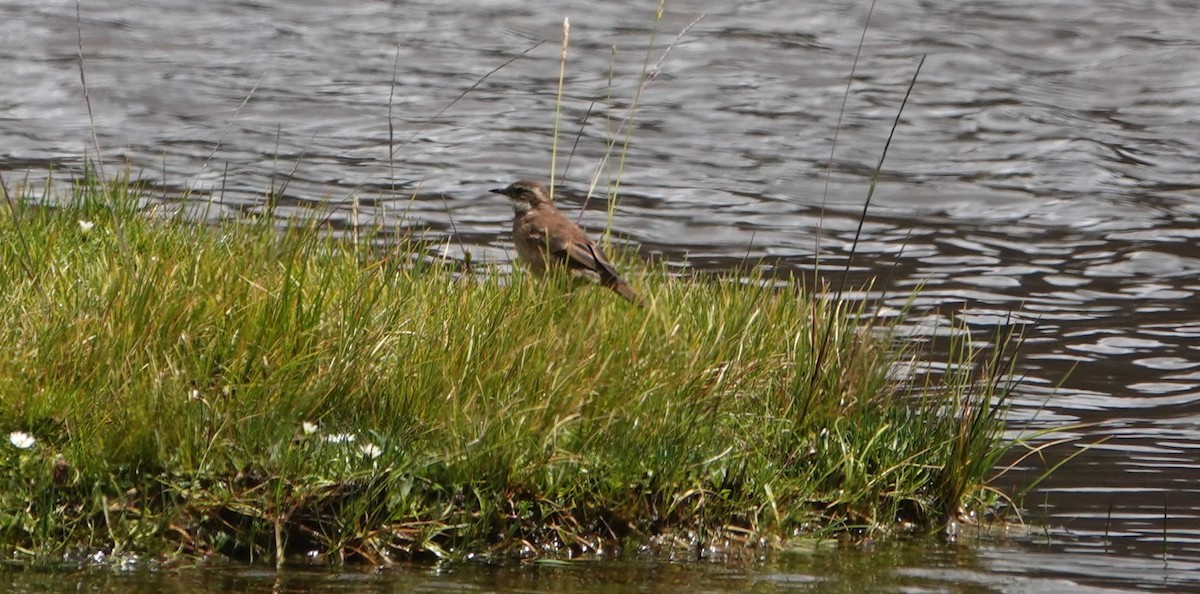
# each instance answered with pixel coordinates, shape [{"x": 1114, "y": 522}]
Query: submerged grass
[{"x": 261, "y": 393}]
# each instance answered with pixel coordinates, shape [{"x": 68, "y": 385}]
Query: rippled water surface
[{"x": 1045, "y": 172}]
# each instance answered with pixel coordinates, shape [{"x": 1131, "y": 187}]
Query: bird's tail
[
  {"x": 610, "y": 279},
  {"x": 623, "y": 289}
]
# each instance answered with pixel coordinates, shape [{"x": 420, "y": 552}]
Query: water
[
  {"x": 1043, "y": 173},
  {"x": 883, "y": 568}
]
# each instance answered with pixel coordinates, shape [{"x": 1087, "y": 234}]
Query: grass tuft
[{"x": 272, "y": 394}]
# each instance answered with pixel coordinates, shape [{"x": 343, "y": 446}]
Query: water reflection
[
  {"x": 1043, "y": 174},
  {"x": 925, "y": 567}
]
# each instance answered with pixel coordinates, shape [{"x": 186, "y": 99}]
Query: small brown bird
[{"x": 544, "y": 237}]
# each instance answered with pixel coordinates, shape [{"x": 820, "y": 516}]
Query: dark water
[
  {"x": 1046, "y": 171},
  {"x": 886, "y": 568}
]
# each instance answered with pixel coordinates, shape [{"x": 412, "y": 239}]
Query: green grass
[{"x": 167, "y": 370}]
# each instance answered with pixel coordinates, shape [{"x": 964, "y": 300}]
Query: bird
[{"x": 546, "y": 238}]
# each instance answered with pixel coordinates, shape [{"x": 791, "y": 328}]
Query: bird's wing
[
  {"x": 568, "y": 244},
  {"x": 585, "y": 255},
  {"x": 535, "y": 234}
]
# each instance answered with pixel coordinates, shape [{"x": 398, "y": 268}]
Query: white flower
[
  {"x": 86, "y": 226},
  {"x": 309, "y": 428},
  {"x": 370, "y": 450},
  {"x": 21, "y": 439},
  {"x": 340, "y": 438}
]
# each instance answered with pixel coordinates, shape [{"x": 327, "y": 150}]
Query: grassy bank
[{"x": 174, "y": 389}]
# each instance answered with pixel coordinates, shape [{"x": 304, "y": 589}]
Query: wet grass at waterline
[{"x": 175, "y": 389}]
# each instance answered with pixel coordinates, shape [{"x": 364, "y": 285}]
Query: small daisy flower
[
  {"x": 370, "y": 450},
  {"x": 21, "y": 440}
]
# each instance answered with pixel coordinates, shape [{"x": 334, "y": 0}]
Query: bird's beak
[{"x": 497, "y": 190}]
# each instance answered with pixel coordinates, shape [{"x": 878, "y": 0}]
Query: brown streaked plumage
[{"x": 544, "y": 237}]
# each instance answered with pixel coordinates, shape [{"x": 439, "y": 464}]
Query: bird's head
[{"x": 524, "y": 195}]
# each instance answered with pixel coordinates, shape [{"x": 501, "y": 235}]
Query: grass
[{"x": 265, "y": 394}]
